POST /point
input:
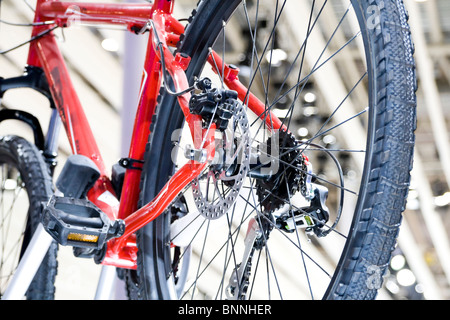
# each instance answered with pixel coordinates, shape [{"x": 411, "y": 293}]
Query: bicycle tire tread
[
  {"x": 39, "y": 184},
  {"x": 380, "y": 223}
]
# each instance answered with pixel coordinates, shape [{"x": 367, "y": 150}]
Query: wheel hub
[{"x": 291, "y": 176}]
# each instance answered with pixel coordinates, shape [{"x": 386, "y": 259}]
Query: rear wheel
[{"x": 321, "y": 219}]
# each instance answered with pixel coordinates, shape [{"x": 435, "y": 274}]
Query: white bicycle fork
[{"x": 29, "y": 264}]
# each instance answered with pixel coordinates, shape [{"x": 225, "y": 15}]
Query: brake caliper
[{"x": 213, "y": 104}]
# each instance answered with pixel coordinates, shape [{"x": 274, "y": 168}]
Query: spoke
[
  {"x": 254, "y": 274},
  {"x": 299, "y": 209},
  {"x": 302, "y": 49},
  {"x": 305, "y": 144},
  {"x": 303, "y": 81},
  {"x": 200, "y": 260},
  {"x": 266, "y": 102},
  {"x": 192, "y": 221},
  {"x": 11, "y": 246},
  {"x": 336, "y": 126},
  {"x": 299, "y": 244},
  {"x": 299, "y": 248},
  {"x": 225, "y": 262},
  {"x": 308, "y": 173},
  {"x": 233, "y": 253},
  {"x": 199, "y": 274},
  {"x": 297, "y": 91},
  {"x": 14, "y": 251},
  {"x": 190, "y": 243},
  {"x": 255, "y": 49},
  {"x": 230, "y": 236},
  {"x": 7, "y": 219},
  {"x": 320, "y": 132},
  {"x": 268, "y": 256},
  {"x": 259, "y": 61}
]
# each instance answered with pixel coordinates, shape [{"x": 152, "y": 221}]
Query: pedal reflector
[{"x": 82, "y": 237}]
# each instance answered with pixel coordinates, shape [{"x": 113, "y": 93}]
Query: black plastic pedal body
[{"x": 79, "y": 223}]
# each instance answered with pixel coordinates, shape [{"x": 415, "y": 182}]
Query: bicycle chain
[{"x": 245, "y": 281}]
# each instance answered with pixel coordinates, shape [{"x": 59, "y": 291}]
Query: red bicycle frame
[{"x": 44, "y": 53}]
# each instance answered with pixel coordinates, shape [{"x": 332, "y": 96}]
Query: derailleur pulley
[{"x": 312, "y": 218}]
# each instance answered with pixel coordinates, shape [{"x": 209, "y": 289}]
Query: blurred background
[{"x": 106, "y": 66}]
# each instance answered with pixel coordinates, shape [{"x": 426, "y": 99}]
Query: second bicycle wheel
[
  {"x": 310, "y": 211},
  {"x": 25, "y": 184}
]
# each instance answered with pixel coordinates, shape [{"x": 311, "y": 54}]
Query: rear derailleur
[{"x": 312, "y": 218}]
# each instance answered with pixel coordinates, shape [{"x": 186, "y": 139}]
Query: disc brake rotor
[{"x": 216, "y": 191}]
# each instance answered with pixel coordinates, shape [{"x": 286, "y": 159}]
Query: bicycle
[{"x": 240, "y": 182}]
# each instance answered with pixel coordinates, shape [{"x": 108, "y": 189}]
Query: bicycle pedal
[{"x": 79, "y": 223}]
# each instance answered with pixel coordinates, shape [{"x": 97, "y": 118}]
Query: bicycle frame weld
[{"x": 165, "y": 31}]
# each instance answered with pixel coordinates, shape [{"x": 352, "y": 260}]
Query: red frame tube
[
  {"x": 44, "y": 53},
  {"x": 231, "y": 79},
  {"x": 131, "y": 15},
  {"x": 150, "y": 85}
]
